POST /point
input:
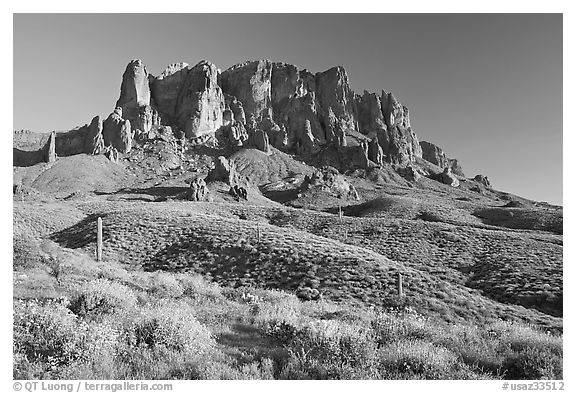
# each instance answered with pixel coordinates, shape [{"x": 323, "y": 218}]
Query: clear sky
[{"x": 486, "y": 88}]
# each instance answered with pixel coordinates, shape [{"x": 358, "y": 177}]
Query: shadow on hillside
[
  {"x": 25, "y": 158},
  {"x": 245, "y": 339},
  {"x": 81, "y": 234},
  {"x": 152, "y": 191}
]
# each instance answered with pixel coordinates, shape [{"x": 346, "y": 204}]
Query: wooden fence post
[
  {"x": 400, "y": 292},
  {"x": 259, "y": 233},
  {"x": 99, "y": 241}
]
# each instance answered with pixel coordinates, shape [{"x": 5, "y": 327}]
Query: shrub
[
  {"x": 48, "y": 337},
  {"x": 418, "y": 358},
  {"x": 533, "y": 363},
  {"x": 195, "y": 286},
  {"x": 101, "y": 296},
  {"x": 173, "y": 326},
  {"x": 399, "y": 325},
  {"x": 276, "y": 308},
  {"x": 331, "y": 350},
  {"x": 165, "y": 285}
]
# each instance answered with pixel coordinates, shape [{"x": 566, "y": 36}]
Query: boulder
[
  {"x": 225, "y": 171},
  {"x": 330, "y": 180},
  {"x": 409, "y": 172},
  {"x": 117, "y": 132},
  {"x": 482, "y": 180},
  {"x": 447, "y": 177},
  {"x": 308, "y": 294},
  {"x": 198, "y": 191}
]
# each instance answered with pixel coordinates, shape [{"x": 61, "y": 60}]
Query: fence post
[
  {"x": 258, "y": 230},
  {"x": 99, "y": 241},
  {"x": 400, "y": 292},
  {"x": 340, "y": 212}
]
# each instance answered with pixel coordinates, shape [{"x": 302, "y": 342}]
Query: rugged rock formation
[
  {"x": 111, "y": 153},
  {"x": 328, "y": 179},
  {"x": 482, "y": 180},
  {"x": 198, "y": 190},
  {"x": 260, "y": 140},
  {"x": 447, "y": 177},
  {"x": 117, "y": 132},
  {"x": 336, "y": 101},
  {"x": 135, "y": 97},
  {"x": 94, "y": 141},
  {"x": 165, "y": 89},
  {"x": 250, "y": 82},
  {"x": 224, "y": 171},
  {"x": 435, "y": 155},
  {"x": 375, "y": 153},
  {"x": 200, "y": 104},
  {"x": 409, "y": 173},
  {"x": 50, "y": 149}
]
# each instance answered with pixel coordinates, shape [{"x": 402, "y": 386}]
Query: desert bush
[
  {"x": 418, "y": 358},
  {"x": 48, "y": 337},
  {"x": 195, "y": 286},
  {"x": 164, "y": 285},
  {"x": 533, "y": 363},
  {"x": 394, "y": 326},
  {"x": 173, "y": 326},
  {"x": 100, "y": 297},
  {"x": 528, "y": 353},
  {"x": 275, "y": 308},
  {"x": 330, "y": 350},
  {"x": 112, "y": 272}
]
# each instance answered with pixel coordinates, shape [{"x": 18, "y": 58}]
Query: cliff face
[
  {"x": 435, "y": 155},
  {"x": 264, "y": 104}
]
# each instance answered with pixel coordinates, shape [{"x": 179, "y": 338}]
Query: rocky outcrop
[
  {"x": 250, "y": 82},
  {"x": 447, "y": 177},
  {"x": 117, "y": 132},
  {"x": 336, "y": 101},
  {"x": 410, "y": 173},
  {"x": 198, "y": 191},
  {"x": 375, "y": 153},
  {"x": 330, "y": 180},
  {"x": 50, "y": 149},
  {"x": 224, "y": 171},
  {"x": 94, "y": 140},
  {"x": 111, "y": 153},
  {"x": 260, "y": 140},
  {"x": 165, "y": 89},
  {"x": 135, "y": 97},
  {"x": 482, "y": 180},
  {"x": 384, "y": 118},
  {"x": 200, "y": 104},
  {"x": 435, "y": 155}
]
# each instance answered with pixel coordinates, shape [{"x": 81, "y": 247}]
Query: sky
[{"x": 487, "y": 88}]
